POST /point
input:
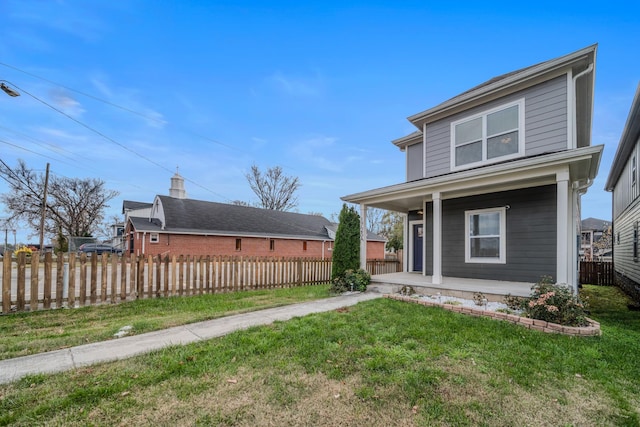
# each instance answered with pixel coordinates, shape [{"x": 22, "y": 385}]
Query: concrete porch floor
[{"x": 451, "y": 286}]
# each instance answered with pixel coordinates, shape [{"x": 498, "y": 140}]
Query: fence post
[
  {"x": 35, "y": 269},
  {"x": 6, "y": 281}
]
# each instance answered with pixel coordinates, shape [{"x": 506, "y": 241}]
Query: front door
[{"x": 417, "y": 247}]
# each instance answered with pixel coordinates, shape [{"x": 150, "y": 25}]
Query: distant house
[
  {"x": 494, "y": 177},
  {"x": 592, "y": 247},
  {"x": 182, "y": 226},
  {"x": 623, "y": 183}
]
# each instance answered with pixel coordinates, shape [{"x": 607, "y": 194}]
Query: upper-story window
[{"x": 488, "y": 137}]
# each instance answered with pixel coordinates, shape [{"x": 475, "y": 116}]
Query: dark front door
[{"x": 417, "y": 247}]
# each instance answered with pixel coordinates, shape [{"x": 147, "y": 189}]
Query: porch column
[
  {"x": 363, "y": 237},
  {"x": 437, "y": 239},
  {"x": 405, "y": 244},
  {"x": 562, "y": 236}
]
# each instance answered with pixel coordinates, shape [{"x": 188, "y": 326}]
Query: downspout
[
  {"x": 573, "y": 121},
  {"x": 144, "y": 237}
]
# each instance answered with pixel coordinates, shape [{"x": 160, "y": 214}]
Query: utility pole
[{"x": 44, "y": 209}]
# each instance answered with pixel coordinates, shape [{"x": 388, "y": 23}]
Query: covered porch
[{"x": 458, "y": 287}]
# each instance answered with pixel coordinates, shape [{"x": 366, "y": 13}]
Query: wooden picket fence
[
  {"x": 34, "y": 284},
  {"x": 596, "y": 273}
]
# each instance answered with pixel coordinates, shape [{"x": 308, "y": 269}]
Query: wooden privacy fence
[
  {"x": 383, "y": 266},
  {"x": 596, "y": 273},
  {"x": 33, "y": 284}
]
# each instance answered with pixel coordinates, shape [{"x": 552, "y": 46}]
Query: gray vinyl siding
[
  {"x": 626, "y": 211},
  {"x": 545, "y": 124},
  {"x": 623, "y": 193},
  {"x": 530, "y": 232},
  {"x": 623, "y": 251},
  {"x": 415, "y": 162}
]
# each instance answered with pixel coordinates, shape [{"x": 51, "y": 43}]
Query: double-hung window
[
  {"x": 488, "y": 137},
  {"x": 485, "y": 241}
]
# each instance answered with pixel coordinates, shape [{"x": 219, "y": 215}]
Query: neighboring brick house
[{"x": 181, "y": 226}]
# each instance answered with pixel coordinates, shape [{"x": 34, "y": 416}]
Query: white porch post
[
  {"x": 405, "y": 244},
  {"x": 562, "y": 237},
  {"x": 436, "y": 278},
  {"x": 363, "y": 237}
]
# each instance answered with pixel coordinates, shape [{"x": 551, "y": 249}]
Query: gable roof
[
  {"x": 130, "y": 205},
  {"x": 630, "y": 135},
  {"x": 513, "y": 81},
  {"x": 373, "y": 237},
  {"x": 189, "y": 216},
  {"x": 594, "y": 224}
]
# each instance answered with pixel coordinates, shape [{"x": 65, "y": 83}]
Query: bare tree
[
  {"x": 74, "y": 206},
  {"x": 374, "y": 219},
  {"x": 275, "y": 190}
]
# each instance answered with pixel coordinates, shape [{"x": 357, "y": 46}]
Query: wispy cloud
[
  {"x": 67, "y": 103},
  {"x": 297, "y": 86}
]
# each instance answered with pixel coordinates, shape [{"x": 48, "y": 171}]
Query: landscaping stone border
[{"x": 539, "y": 325}]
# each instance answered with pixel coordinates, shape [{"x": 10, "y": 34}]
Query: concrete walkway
[{"x": 122, "y": 348}]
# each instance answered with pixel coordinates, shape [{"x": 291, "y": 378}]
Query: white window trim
[
  {"x": 483, "y": 115},
  {"x": 502, "y": 259},
  {"x": 154, "y": 238}
]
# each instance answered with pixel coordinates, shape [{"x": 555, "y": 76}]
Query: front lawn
[
  {"x": 381, "y": 362},
  {"x": 28, "y": 333}
]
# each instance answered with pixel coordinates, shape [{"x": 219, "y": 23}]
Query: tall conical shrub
[{"x": 346, "y": 249}]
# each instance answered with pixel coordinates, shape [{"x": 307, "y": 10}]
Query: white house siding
[{"x": 545, "y": 124}]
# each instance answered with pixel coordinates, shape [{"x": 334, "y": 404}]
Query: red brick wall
[{"x": 185, "y": 244}]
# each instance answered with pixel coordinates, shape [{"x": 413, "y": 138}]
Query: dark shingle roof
[
  {"x": 131, "y": 205},
  {"x": 187, "y": 215}
]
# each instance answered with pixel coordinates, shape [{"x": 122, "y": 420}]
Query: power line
[
  {"x": 128, "y": 110},
  {"x": 115, "y": 142}
]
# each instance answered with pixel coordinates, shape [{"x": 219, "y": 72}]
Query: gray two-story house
[
  {"x": 624, "y": 184},
  {"x": 495, "y": 174}
]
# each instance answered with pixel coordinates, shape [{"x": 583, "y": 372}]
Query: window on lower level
[
  {"x": 272, "y": 245},
  {"x": 304, "y": 245},
  {"x": 238, "y": 244},
  {"x": 154, "y": 238},
  {"x": 488, "y": 137},
  {"x": 486, "y": 236}
]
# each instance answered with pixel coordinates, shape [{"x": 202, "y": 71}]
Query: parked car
[{"x": 98, "y": 249}]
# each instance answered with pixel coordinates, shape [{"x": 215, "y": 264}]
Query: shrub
[
  {"x": 479, "y": 298},
  {"x": 513, "y": 302},
  {"x": 555, "y": 303},
  {"x": 346, "y": 249},
  {"x": 350, "y": 280}
]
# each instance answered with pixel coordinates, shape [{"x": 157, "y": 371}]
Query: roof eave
[
  {"x": 628, "y": 140},
  {"x": 514, "y": 82}
]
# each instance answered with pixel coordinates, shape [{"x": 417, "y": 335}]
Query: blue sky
[{"x": 138, "y": 88}]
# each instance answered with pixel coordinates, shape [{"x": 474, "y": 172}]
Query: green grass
[
  {"x": 28, "y": 333},
  {"x": 382, "y": 362}
]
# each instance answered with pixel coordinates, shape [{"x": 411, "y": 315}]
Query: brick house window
[
  {"x": 154, "y": 238},
  {"x": 304, "y": 245},
  {"x": 272, "y": 245},
  {"x": 238, "y": 244}
]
